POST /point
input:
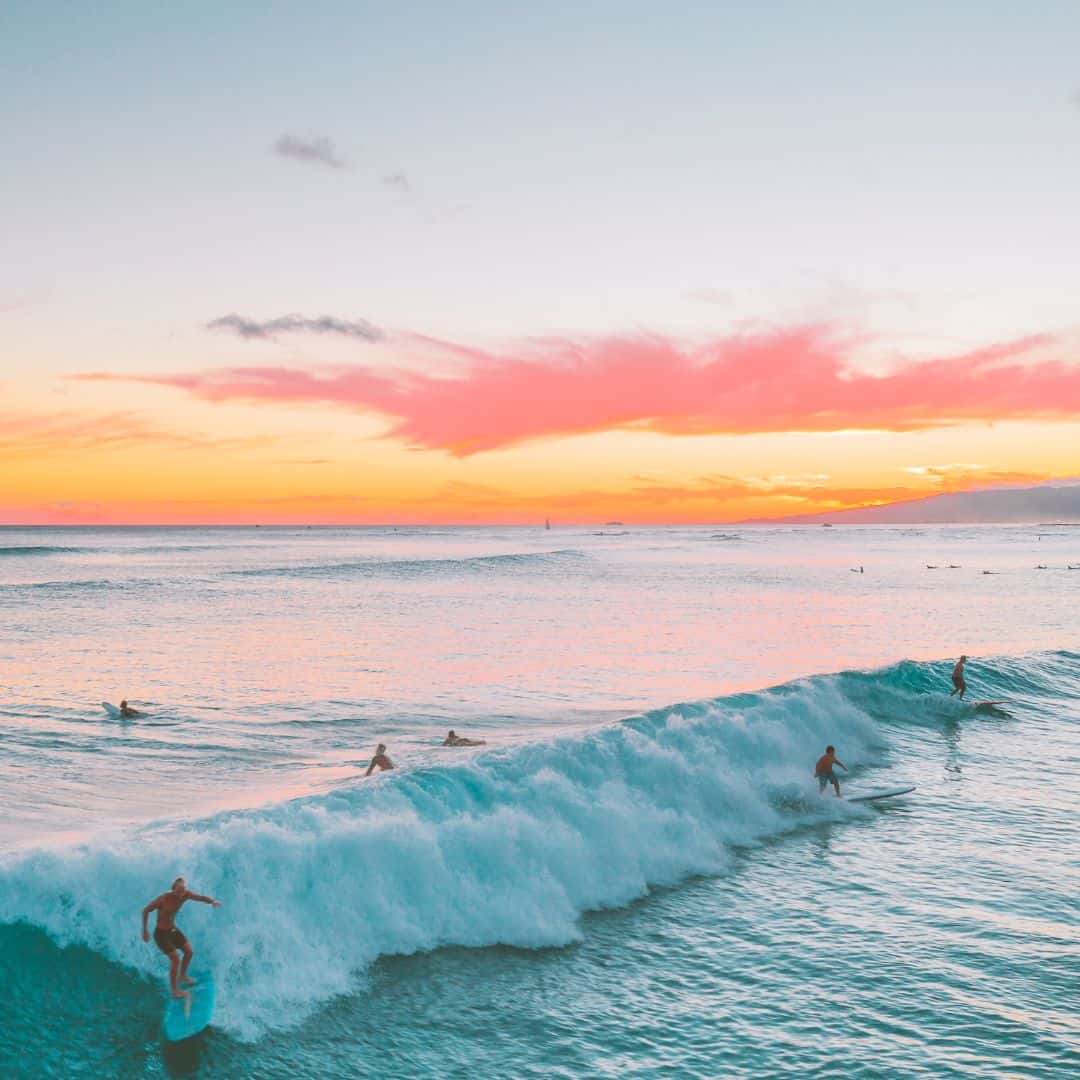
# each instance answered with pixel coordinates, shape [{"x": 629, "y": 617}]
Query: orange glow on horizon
[{"x": 744, "y": 428}]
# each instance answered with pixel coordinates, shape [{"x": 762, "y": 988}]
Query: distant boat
[
  {"x": 826, "y": 524},
  {"x": 612, "y": 522}
]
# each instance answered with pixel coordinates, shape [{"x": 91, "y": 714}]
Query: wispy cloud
[
  {"x": 313, "y": 149},
  {"x": 958, "y": 476},
  {"x": 802, "y": 379},
  {"x": 14, "y": 301},
  {"x": 296, "y": 324},
  {"x": 24, "y": 435},
  {"x": 398, "y": 181},
  {"x": 720, "y": 297},
  {"x": 696, "y": 498}
]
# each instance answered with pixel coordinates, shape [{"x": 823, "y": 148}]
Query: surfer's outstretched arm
[
  {"x": 837, "y": 761},
  {"x": 203, "y": 899}
]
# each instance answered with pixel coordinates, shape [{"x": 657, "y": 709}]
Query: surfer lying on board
[
  {"x": 453, "y": 739},
  {"x": 167, "y": 935},
  {"x": 128, "y": 712},
  {"x": 823, "y": 770},
  {"x": 379, "y": 759},
  {"x": 958, "y": 682}
]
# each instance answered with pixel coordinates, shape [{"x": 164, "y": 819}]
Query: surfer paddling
[
  {"x": 453, "y": 739},
  {"x": 168, "y": 937},
  {"x": 128, "y": 712},
  {"x": 823, "y": 770},
  {"x": 958, "y": 683},
  {"x": 381, "y": 759}
]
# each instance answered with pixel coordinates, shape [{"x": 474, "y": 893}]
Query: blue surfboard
[{"x": 185, "y": 1017}]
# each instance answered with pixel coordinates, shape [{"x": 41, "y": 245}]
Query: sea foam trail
[{"x": 506, "y": 847}]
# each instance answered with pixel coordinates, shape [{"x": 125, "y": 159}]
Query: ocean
[{"x": 635, "y": 876}]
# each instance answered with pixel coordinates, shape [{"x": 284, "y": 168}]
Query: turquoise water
[{"x": 626, "y": 881}]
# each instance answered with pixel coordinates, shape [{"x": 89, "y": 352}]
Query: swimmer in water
[
  {"x": 453, "y": 739},
  {"x": 381, "y": 759},
  {"x": 128, "y": 712}
]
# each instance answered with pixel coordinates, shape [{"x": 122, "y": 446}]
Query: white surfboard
[
  {"x": 873, "y": 796},
  {"x": 113, "y": 712}
]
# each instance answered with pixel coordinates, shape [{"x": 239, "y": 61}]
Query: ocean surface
[{"x": 634, "y": 877}]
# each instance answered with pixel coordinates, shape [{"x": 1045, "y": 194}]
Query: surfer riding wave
[{"x": 167, "y": 935}]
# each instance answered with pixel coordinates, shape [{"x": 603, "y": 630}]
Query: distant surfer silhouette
[
  {"x": 128, "y": 712},
  {"x": 453, "y": 739},
  {"x": 168, "y": 937},
  {"x": 381, "y": 759},
  {"x": 959, "y": 685},
  {"x": 823, "y": 770}
]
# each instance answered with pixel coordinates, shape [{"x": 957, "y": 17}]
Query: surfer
[
  {"x": 381, "y": 759},
  {"x": 823, "y": 770},
  {"x": 127, "y": 711},
  {"x": 958, "y": 683},
  {"x": 168, "y": 937},
  {"x": 453, "y": 739}
]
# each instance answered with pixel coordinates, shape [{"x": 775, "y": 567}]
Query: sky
[{"x": 490, "y": 262}]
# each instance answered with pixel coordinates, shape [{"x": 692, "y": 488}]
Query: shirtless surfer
[
  {"x": 168, "y": 937},
  {"x": 823, "y": 770},
  {"x": 381, "y": 759},
  {"x": 453, "y": 739},
  {"x": 128, "y": 712},
  {"x": 958, "y": 683}
]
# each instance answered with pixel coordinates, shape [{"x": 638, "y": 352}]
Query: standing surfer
[
  {"x": 823, "y": 770},
  {"x": 959, "y": 685},
  {"x": 168, "y": 937}
]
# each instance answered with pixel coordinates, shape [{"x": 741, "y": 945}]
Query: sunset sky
[{"x": 500, "y": 262}]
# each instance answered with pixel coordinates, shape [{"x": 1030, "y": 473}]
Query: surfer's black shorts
[{"x": 169, "y": 940}]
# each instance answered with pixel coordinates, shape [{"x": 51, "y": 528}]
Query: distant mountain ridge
[{"x": 999, "y": 506}]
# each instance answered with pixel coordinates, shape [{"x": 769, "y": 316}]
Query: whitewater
[{"x": 634, "y": 876}]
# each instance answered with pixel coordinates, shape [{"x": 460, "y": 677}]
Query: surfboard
[
  {"x": 185, "y": 1018},
  {"x": 872, "y": 796},
  {"x": 114, "y": 713},
  {"x": 983, "y": 704}
]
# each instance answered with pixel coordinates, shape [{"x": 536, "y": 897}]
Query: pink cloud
[{"x": 802, "y": 379}]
